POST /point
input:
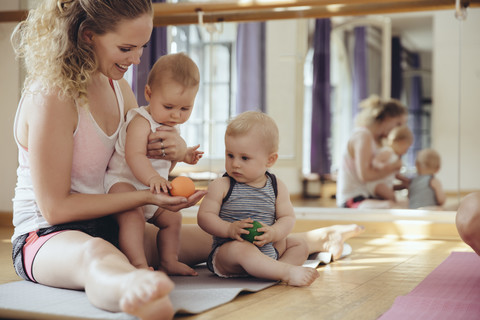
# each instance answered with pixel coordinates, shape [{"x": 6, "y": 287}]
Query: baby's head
[
  {"x": 260, "y": 124},
  {"x": 428, "y": 161},
  {"x": 400, "y": 139},
  {"x": 172, "y": 86},
  {"x": 251, "y": 145}
]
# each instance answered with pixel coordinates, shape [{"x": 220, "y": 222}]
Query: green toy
[{"x": 253, "y": 232}]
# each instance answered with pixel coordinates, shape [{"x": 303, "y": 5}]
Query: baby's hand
[
  {"x": 159, "y": 184},
  {"x": 267, "y": 236},
  {"x": 237, "y": 228},
  {"x": 193, "y": 155}
]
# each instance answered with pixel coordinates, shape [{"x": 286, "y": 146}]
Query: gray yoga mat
[{"x": 27, "y": 300}]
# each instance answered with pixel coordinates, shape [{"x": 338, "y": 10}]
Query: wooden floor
[{"x": 361, "y": 286}]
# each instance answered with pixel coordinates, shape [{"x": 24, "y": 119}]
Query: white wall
[
  {"x": 446, "y": 78},
  {"x": 285, "y": 55},
  {"x": 9, "y": 94}
]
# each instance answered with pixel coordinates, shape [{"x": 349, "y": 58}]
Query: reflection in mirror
[
  {"x": 388, "y": 55},
  {"x": 288, "y": 64}
]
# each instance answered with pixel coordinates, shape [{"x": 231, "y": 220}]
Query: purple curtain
[
  {"x": 360, "y": 68},
  {"x": 156, "y": 48},
  {"x": 251, "y": 67},
  {"x": 415, "y": 104},
  {"x": 396, "y": 68},
  {"x": 320, "y": 152}
]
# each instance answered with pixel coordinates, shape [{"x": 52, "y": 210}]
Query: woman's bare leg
[
  {"x": 329, "y": 239},
  {"x": 195, "y": 245},
  {"x": 74, "y": 260},
  {"x": 468, "y": 220}
]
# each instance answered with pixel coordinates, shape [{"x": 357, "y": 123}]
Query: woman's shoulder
[
  {"x": 38, "y": 96},
  {"x": 129, "y": 99},
  {"x": 361, "y": 134}
]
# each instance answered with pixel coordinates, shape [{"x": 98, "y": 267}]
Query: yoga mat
[
  {"x": 27, "y": 300},
  {"x": 451, "y": 291}
]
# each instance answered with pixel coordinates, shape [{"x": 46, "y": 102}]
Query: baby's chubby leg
[
  {"x": 131, "y": 225},
  {"x": 240, "y": 257},
  {"x": 168, "y": 242},
  {"x": 385, "y": 192},
  {"x": 292, "y": 250}
]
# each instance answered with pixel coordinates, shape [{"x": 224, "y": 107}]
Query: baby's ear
[
  {"x": 148, "y": 93},
  {"x": 272, "y": 158}
]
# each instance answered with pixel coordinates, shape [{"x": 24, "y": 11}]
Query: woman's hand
[
  {"x": 166, "y": 143},
  {"x": 175, "y": 203}
]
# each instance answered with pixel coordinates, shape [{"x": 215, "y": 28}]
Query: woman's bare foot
[
  {"x": 330, "y": 239},
  {"x": 299, "y": 276},
  {"x": 176, "y": 268},
  {"x": 145, "y": 295}
]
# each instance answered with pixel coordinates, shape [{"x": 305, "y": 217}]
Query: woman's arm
[
  {"x": 168, "y": 139},
  {"x": 49, "y": 128}
]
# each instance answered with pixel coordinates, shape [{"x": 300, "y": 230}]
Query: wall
[
  {"x": 285, "y": 56},
  {"x": 9, "y": 93},
  {"x": 446, "y": 79}
]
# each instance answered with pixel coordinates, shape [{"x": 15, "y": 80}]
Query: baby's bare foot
[
  {"x": 299, "y": 276},
  {"x": 176, "y": 268},
  {"x": 145, "y": 295}
]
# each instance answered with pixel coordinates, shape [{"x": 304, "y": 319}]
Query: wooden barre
[
  {"x": 258, "y": 10},
  {"x": 168, "y": 14}
]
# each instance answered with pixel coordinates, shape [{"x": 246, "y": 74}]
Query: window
[{"x": 213, "y": 53}]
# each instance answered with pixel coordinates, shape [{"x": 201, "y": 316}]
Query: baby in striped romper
[{"x": 248, "y": 192}]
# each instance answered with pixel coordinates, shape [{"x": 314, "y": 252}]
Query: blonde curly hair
[
  {"x": 374, "y": 109},
  {"x": 50, "y": 41},
  {"x": 250, "y": 120}
]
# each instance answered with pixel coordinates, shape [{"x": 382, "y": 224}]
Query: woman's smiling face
[{"x": 117, "y": 50}]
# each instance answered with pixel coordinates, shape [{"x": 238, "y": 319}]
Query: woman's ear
[
  {"x": 88, "y": 36},
  {"x": 272, "y": 158},
  {"x": 148, "y": 93}
]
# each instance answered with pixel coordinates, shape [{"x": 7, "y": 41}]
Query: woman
[
  {"x": 374, "y": 123},
  {"x": 75, "y": 98},
  {"x": 74, "y": 101}
]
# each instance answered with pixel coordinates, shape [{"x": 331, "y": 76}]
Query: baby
[
  {"x": 425, "y": 190},
  {"x": 171, "y": 89},
  {"x": 246, "y": 193},
  {"x": 398, "y": 141}
]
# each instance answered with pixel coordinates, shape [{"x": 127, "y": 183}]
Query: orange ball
[{"x": 182, "y": 187}]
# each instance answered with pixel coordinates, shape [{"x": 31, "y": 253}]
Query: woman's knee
[
  {"x": 96, "y": 249},
  {"x": 468, "y": 220}
]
